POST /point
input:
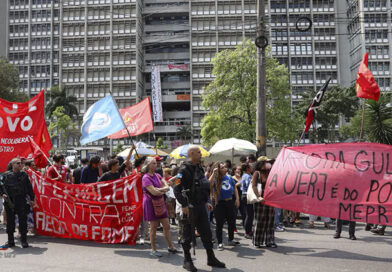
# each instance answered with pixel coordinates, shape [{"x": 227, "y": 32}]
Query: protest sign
[
  {"x": 19, "y": 121},
  {"x": 104, "y": 212},
  {"x": 349, "y": 181}
]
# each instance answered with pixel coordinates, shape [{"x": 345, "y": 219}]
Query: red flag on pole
[
  {"x": 137, "y": 118},
  {"x": 366, "y": 84},
  {"x": 312, "y": 109},
  {"x": 40, "y": 159}
]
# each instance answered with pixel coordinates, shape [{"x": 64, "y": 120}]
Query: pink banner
[{"x": 350, "y": 181}]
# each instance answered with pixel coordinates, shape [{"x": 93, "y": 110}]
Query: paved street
[{"x": 300, "y": 249}]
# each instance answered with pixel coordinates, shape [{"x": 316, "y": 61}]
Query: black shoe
[
  {"x": 213, "y": 261},
  {"x": 25, "y": 245},
  {"x": 336, "y": 236},
  {"x": 352, "y": 237},
  {"x": 173, "y": 251},
  {"x": 368, "y": 227},
  {"x": 188, "y": 265},
  {"x": 378, "y": 231},
  {"x": 8, "y": 244},
  {"x": 273, "y": 245}
]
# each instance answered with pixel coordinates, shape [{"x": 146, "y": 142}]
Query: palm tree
[
  {"x": 378, "y": 118},
  {"x": 184, "y": 132},
  {"x": 58, "y": 97}
]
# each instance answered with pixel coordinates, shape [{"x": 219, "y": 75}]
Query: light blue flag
[{"x": 100, "y": 120}]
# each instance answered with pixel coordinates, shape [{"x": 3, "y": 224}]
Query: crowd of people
[{"x": 191, "y": 196}]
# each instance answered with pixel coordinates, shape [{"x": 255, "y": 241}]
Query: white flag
[{"x": 156, "y": 96}]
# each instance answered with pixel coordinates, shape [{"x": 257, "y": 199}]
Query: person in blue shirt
[
  {"x": 223, "y": 190},
  {"x": 245, "y": 182}
]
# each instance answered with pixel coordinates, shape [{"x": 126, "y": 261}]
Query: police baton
[{"x": 190, "y": 219}]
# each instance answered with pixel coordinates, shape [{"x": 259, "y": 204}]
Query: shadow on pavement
[
  {"x": 38, "y": 239},
  {"x": 377, "y": 239},
  {"x": 340, "y": 254},
  {"x": 31, "y": 250}
]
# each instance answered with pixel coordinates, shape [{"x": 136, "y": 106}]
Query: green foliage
[
  {"x": 9, "y": 83},
  {"x": 231, "y": 98},
  {"x": 160, "y": 144},
  {"x": 337, "y": 102},
  {"x": 59, "y": 98},
  {"x": 184, "y": 132},
  {"x": 377, "y": 121},
  {"x": 61, "y": 125},
  {"x": 119, "y": 147}
]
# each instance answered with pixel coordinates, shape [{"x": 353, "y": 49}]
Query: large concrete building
[{"x": 94, "y": 47}]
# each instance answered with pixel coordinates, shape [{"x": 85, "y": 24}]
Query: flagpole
[
  {"x": 43, "y": 153},
  {"x": 362, "y": 121},
  {"x": 125, "y": 126},
  {"x": 300, "y": 138}
]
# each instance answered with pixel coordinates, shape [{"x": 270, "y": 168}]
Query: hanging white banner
[{"x": 156, "y": 96}]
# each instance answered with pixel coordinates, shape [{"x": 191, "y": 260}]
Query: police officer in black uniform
[
  {"x": 16, "y": 189},
  {"x": 192, "y": 191}
]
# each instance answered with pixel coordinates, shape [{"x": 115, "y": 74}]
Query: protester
[
  {"x": 31, "y": 165},
  {"x": 138, "y": 164},
  {"x": 245, "y": 182},
  {"x": 243, "y": 159},
  {"x": 159, "y": 165},
  {"x": 379, "y": 230},
  {"x": 115, "y": 170},
  {"x": 170, "y": 198},
  {"x": 238, "y": 173},
  {"x": 313, "y": 218},
  {"x": 192, "y": 192},
  {"x": 154, "y": 209},
  {"x": 17, "y": 185},
  {"x": 127, "y": 171},
  {"x": 223, "y": 189},
  {"x": 92, "y": 172},
  {"x": 58, "y": 171},
  {"x": 77, "y": 173},
  {"x": 351, "y": 229},
  {"x": 264, "y": 214}
]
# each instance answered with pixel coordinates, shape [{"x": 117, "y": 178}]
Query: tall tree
[
  {"x": 59, "y": 98},
  {"x": 61, "y": 125},
  {"x": 377, "y": 123},
  {"x": 9, "y": 82},
  {"x": 231, "y": 98},
  {"x": 184, "y": 132},
  {"x": 337, "y": 102}
]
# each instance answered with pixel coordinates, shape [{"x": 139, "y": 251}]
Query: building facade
[
  {"x": 97, "y": 47},
  {"x": 370, "y": 30}
]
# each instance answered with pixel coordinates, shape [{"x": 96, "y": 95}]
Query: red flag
[
  {"x": 366, "y": 84},
  {"x": 312, "y": 109},
  {"x": 18, "y": 121},
  {"x": 137, "y": 118},
  {"x": 38, "y": 155}
]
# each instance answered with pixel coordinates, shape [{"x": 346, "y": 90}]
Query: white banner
[{"x": 156, "y": 96}]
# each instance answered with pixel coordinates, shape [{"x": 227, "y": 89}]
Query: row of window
[
  {"x": 223, "y": 24},
  {"x": 376, "y": 51},
  {"x": 281, "y": 4},
  {"x": 119, "y": 12},
  {"x": 223, "y": 8}
]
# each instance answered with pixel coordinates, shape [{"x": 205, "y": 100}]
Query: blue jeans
[{"x": 277, "y": 212}]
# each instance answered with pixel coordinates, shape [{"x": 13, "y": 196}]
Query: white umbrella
[{"x": 233, "y": 147}]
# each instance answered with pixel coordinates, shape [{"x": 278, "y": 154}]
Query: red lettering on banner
[
  {"x": 104, "y": 212},
  {"x": 351, "y": 181}
]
